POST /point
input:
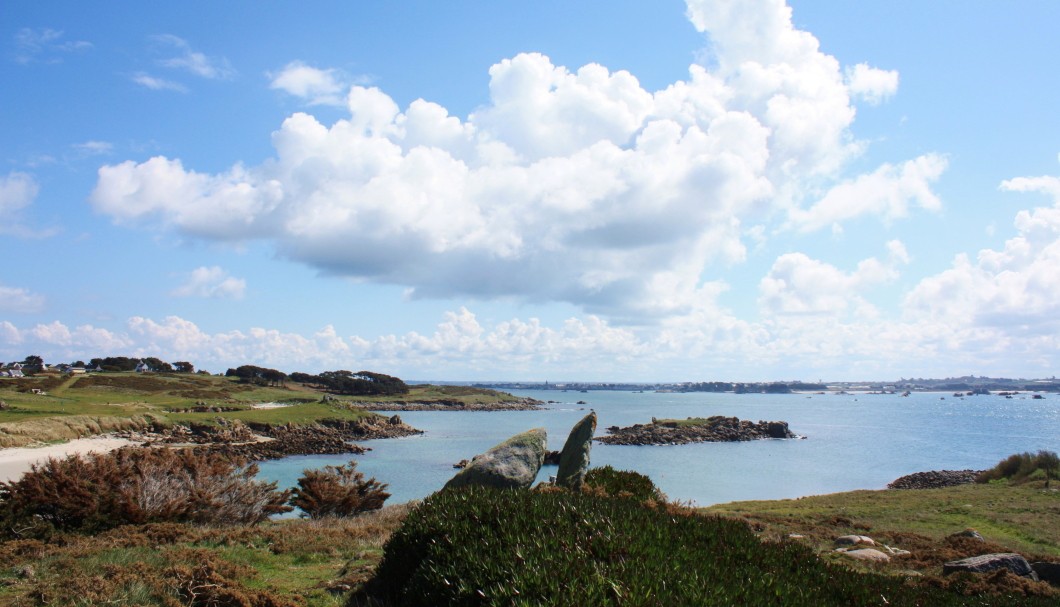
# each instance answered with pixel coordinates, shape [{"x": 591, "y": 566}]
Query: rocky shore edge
[
  {"x": 522, "y": 404},
  {"x": 260, "y": 442},
  {"x": 680, "y": 432},
  {"x": 935, "y": 479}
]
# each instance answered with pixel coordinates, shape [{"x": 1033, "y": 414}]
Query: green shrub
[
  {"x": 482, "y": 546},
  {"x": 1021, "y": 467},
  {"x": 337, "y": 491},
  {"x": 135, "y": 485},
  {"x": 623, "y": 483}
]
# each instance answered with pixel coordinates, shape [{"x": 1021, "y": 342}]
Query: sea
[{"x": 849, "y": 441}]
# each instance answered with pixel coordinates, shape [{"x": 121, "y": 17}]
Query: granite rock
[
  {"x": 574, "y": 458},
  {"x": 513, "y": 464}
]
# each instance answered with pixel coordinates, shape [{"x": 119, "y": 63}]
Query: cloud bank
[
  {"x": 572, "y": 185},
  {"x": 578, "y": 185}
]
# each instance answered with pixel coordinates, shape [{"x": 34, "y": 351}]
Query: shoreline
[{"x": 15, "y": 461}]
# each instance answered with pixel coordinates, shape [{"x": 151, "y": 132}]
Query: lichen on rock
[{"x": 513, "y": 464}]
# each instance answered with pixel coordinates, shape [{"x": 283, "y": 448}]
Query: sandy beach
[{"x": 17, "y": 460}]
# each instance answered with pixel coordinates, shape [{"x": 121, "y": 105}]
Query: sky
[{"x": 599, "y": 191}]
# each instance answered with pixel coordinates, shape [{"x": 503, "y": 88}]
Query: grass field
[
  {"x": 1011, "y": 518},
  {"x": 278, "y": 563},
  {"x": 75, "y": 406}
]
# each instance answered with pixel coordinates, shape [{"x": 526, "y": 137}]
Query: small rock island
[{"x": 717, "y": 428}]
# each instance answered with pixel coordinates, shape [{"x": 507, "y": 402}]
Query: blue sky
[{"x": 478, "y": 190}]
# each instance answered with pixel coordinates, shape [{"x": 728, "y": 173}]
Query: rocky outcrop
[
  {"x": 867, "y": 554},
  {"x": 969, "y": 533},
  {"x": 513, "y": 464},
  {"x": 574, "y": 458},
  {"x": 284, "y": 441},
  {"x": 521, "y": 404},
  {"x": 935, "y": 479},
  {"x": 854, "y": 540},
  {"x": 679, "y": 432},
  {"x": 257, "y": 442},
  {"x": 992, "y": 562}
]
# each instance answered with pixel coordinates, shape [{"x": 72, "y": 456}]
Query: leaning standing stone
[
  {"x": 513, "y": 464},
  {"x": 574, "y": 459}
]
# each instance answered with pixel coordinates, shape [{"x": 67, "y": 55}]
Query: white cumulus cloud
[
  {"x": 1014, "y": 291},
  {"x": 872, "y": 84},
  {"x": 888, "y": 192},
  {"x": 798, "y": 284},
  {"x": 314, "y": 85},
  {"x": 17, "y": 191},
  {"x": 212, "y": 282},
  {"x": 575, "y": 185},
  {"x": 20, "y": 300}
]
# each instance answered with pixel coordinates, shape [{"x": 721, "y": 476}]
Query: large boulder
[
  {"x": 854, "y": 540},
  {"x": 574, "y": 458},
  {"x": 513, "y": 464},
  {"x": 991, "y": 562},
  {"x": 867, "y": 554}
]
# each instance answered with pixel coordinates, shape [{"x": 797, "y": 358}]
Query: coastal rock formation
[
  {"x": 935, "y": 479},
  {"x": 258, "y": 442},
  {"x": 991, "y": 562},
  {"x": 284, "y": 441},
  {"x": 695, "y": 430},
  {"x": 574, "y": 458},
  {"x": 513, "y": 464}
]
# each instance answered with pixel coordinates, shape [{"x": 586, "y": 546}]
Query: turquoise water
[{"x": 856, "y": 441}]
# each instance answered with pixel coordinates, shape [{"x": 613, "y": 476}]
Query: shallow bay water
[{"x": 853, "y": 441}]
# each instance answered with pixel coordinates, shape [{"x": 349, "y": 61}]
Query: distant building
[{"x": 142, "y": 367}]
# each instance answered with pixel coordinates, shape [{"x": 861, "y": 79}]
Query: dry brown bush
[
  {"x": 134, "y": 486},
  {"x": 338, "y": 491}
]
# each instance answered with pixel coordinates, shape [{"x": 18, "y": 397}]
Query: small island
[{"x": 716, "y": 428}]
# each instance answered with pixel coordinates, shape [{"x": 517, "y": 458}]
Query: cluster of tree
[
  {"x": 124, "y": 363},
  {"x": 258, "y": 375},
  {"x": 361, "y": 383}
]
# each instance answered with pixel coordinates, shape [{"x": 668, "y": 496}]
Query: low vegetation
[
  {"x": 1020, "y": 517},
  {"x": 1023, "y": 467},
  {"x": 480, "y": 546},
  {"x": 282, "y": 563},
  {"x": 623, "y": 483},
  {"x": 134, "y": 486},
  {"x": 337, "y": 491},
  {"x": 617, "y": 542}
]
